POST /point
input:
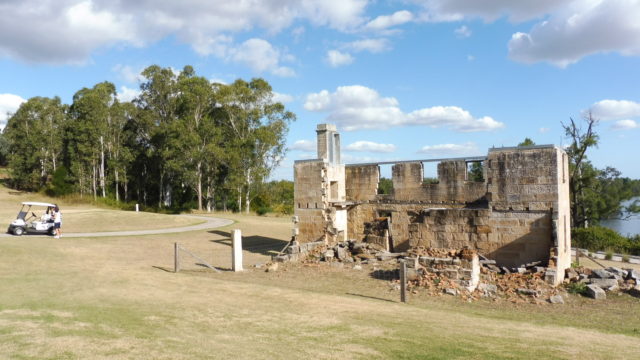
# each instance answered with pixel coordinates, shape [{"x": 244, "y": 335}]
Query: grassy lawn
[{"x": 116, "y": 298}]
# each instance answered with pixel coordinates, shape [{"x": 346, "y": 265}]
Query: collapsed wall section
[{"x": 452, "y": 186}]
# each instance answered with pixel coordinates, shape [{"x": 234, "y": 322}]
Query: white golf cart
[{"x": 28, "y": 222}]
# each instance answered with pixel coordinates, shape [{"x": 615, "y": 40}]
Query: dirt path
[{"x": 210, "y": 223}]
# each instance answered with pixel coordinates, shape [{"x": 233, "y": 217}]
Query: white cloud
[
  {"x": 282, "y": 98},
  {"x": 358, "y": 107},
  {"x": 462, "y": 32},
  {"x": 128, "y": 74},
  {"x": 543, "y": 130},
  {"x": 470, "y": 58},
  {"x": 626, "y": 124},
  {"x": 304, "y": 145},
  {"x": 127, "y": 94},
  {"x": 488, "y": 10},
  {"x": 261, "y": 56},
  {"x": 68, "y": 31},
  {"x": 582, "y": 28},
  {"x": 384, "y": 22},
  {"x": 468, "y": 148},
  {"x": 9, "y": 103},
  {"x": 371, "y": 45},
  {"x": 336, "y": 58},
  {"x": 566, "y": 32},
  {"x": 615, "y": 109},
  {"x": 371, "y": 147}
]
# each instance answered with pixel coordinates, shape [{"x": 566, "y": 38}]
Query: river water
[{"x": 625, "y": 227}]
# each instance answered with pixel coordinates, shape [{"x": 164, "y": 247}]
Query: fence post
[
  {"x": 403, "y": 281},
  {"x": 176, "y": 258},
  {"x": 236, "y": 255}
]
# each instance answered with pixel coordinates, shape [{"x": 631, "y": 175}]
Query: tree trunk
[
  {"x": 102, "y": 182},
  {"x": 116, "y": 187},
  {"x": 247, "y": 198},
  {"x": 199, "y": 190},
  {"x": 239, "y": 198},
  {"x": 93, "y": 183}
]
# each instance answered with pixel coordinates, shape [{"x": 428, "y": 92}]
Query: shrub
[
  {"x": 598, "y": 238},
  {"x": 577, "y": 288},
  {"x": 608, "y": 255},
  {"x": 625, "y": 258},
  {"x": 263, "y": 210}
]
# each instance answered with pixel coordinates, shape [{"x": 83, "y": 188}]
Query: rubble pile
[
  {"x": 468, "y": 275},
  {"x": 597, "y": 283}
]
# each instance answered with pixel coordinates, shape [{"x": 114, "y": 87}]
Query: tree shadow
[
  {"x": 256, "y": 244},
  {"x": 371, "y": 297}
]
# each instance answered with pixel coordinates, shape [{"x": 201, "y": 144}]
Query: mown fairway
[{"x": 99, "y": 298}]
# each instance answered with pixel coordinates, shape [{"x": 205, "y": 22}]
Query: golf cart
[{"x": 28, "y": 222}]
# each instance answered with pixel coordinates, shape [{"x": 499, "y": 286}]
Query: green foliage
[
  {"x": 595, "y": 194},
  {"x": 385, "y": 186},
  {"x": 608, "y": 255},
  {"x": 274, "y": 196},
  {"x": 527, "y": 142},
  {"x": 597, "y": 238},
  {"x": 34, "y": 134},
  {"x": 430, "y": 180},
  {"x": 182, "y": 143},
  {"x": 4, "y": 150},
  {"x": 577, "y": 288},
  {"x": 60, "y": 184},
  {"x": 476, "y": 172}
]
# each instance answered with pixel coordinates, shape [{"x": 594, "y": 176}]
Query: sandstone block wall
[
  {"x": 519, "y": 214},
  {"x": 453, "y": 186}
]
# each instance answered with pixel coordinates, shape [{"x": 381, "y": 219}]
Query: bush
[
  {"x": 577, "y": 288},
  {"x": 60, "y": 184},
  {"x": 597, "y": 238},
  {"x": 263, "y": 210},
  {"x": 608, "y": 255}
]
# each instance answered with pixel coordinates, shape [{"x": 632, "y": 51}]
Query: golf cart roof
[{"x": 34, "y": 203}]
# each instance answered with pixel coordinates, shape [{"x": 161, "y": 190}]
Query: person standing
[{"x": 57, "y": 222}]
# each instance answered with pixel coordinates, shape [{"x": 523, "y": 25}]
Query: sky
[{"x": 401, "y": 79}]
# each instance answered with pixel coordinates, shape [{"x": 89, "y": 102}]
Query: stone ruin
[{"x": 518, "y": 214}]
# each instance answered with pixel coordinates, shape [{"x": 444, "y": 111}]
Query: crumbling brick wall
[{"x": 517, "y": 215}]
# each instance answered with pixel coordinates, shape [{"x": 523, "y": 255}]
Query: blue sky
[{"x": 402, "y": 79}]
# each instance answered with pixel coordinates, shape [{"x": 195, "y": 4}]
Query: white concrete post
[
  {"x": 137, "y": 209},
  {"x": 237, "y": 250}
]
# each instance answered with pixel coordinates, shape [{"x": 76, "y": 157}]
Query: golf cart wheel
[{"x": 18, "y": 231}]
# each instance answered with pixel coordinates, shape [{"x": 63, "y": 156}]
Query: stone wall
[
  {"x": 408, "y": 184},
  {"x": 519, "y": 214},
  {"x": 362, "y": 182}
]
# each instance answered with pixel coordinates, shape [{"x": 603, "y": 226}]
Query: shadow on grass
[
  {"x": 386, "y": 274},
  {"x": 256, "y": 244},
  {"x": 371, "y": 297}
]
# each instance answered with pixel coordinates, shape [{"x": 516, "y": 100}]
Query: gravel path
[{"x": 210, "y": 223}]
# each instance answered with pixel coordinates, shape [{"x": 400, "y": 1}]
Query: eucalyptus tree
[
  {"x": 88, "y": 135},
  {"x": 258, "y": 127},
  {"x": 196, "y": 136},
  {"x": 34, "y": 136},
  {"x": 159, "y": 99}
]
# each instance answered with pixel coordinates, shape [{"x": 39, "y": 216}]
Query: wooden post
[
  {"x": 403, "y": 281},
  {"x": 137, "y": 208},
  {"x": 176, "y": 258}
]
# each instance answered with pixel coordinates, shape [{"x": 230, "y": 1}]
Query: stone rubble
[{"x": 438, "y": 272}]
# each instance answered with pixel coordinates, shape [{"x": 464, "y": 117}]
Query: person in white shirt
[{"x": 57, "y": 221}]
